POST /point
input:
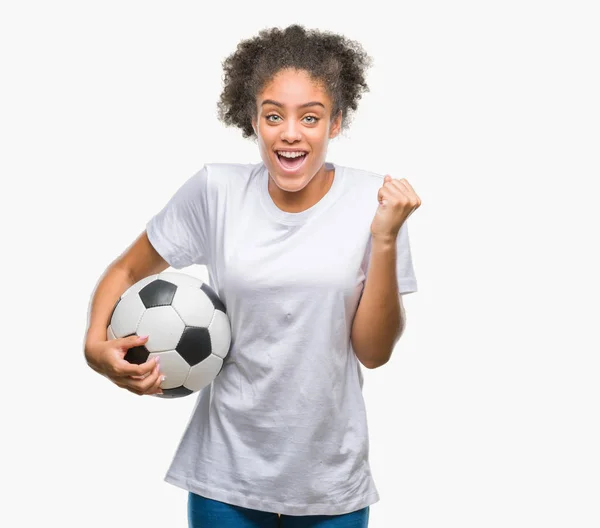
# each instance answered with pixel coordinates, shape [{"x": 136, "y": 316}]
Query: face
[{"x": 285, "y": 121}]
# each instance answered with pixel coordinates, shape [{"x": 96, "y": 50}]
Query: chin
[{"x": 292, "y": 183}]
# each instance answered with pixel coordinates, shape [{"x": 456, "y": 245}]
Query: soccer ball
[{"x": 186, "y": 324}]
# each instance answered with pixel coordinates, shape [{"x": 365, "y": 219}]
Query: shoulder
[
  {"x": 362, "y": 175},
  {"x": 361, "y": 180},
  {"x": 227, "y": 175}
]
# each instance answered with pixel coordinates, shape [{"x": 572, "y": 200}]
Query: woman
[{"x": 308, "y": 257}]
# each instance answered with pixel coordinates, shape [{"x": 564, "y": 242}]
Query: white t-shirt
[{"x": 283, "y": 427}]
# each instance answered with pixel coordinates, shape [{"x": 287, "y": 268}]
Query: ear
[
  {"x": 336, "y": 126},
  {"x": 254, "y": 125}
]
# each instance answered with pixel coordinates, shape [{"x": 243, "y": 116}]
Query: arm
[
  {"x": 106, "y": 356},
  {"x": 380, "y": 319},
  {"x": 139, "y": 261}
]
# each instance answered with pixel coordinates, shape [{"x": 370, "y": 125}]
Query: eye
[{"x": 315, "y": 118}]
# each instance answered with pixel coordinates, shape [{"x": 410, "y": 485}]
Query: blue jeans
[{"x": 208, "y": 513}]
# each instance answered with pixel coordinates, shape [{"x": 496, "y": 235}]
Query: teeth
[{"x": 291, "y": 154}]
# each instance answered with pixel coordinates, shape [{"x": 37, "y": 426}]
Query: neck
[{"x": 298, "y": 201}]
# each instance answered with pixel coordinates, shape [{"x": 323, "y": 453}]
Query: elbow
[
  {"x": 375, "y": 361},
  {"x": 380, "y": 359},
  {"x": 372, "y": 366}
]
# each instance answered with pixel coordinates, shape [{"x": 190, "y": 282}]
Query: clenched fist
[{"x": 397, "y": 201}]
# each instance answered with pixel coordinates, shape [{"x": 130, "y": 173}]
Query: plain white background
[{"x": 487, "y": 413}]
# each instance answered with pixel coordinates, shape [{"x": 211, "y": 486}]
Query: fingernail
[
  {"x": 156, "y": 359},
  {"x": 141, "y": 338},
  {"x": 163, "y": 378}
]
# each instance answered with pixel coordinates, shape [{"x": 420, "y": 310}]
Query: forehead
[{"x": 293, "y": 87}]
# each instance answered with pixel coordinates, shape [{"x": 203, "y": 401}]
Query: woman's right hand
[{"x": 107, "y": 358}]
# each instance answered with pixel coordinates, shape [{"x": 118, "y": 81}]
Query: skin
[{"x": 295, "y": 128}]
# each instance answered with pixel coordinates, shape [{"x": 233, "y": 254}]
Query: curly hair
[{"x": 333, "y": 61}]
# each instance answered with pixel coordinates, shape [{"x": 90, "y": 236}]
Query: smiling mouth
[{"x": 291, "y": 164}]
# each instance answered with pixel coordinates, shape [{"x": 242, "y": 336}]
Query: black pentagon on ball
[
  {"x": 157, "y": 293},
  {"x": 137, "y": 355},
  {"x": 176, "y": 392},
  {"x": 194, "y": 345},
  {"x": 217, "y": 303}
]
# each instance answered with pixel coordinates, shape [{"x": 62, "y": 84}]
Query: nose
[{"x": 291, "y": 131}]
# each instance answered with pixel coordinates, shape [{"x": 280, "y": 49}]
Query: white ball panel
[
  {"x": 163, "y": 327},
  {"x": 173, "y": 366},
  {"x": 135, "y": 288},
  {"x": 127, "y": 315},
  {"x": 203, "y": 373},
  {"x": 193, "y": 306},
  {"x": 220, "y": 334},
  {"x": 110, "y": 334},
  {"x": 180, "y": 279}
]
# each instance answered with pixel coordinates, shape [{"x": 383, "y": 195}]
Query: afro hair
[{"x": 333, "y": 61}]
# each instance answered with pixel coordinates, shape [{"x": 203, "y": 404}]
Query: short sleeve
[
  {"x": 405, "y": 274},
  {"x": 179, "y": 232}
]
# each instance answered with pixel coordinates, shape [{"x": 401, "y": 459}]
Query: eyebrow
[{"x": 312, "y": 103}]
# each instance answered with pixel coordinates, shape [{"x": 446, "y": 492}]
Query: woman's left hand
[{"x": 397, "y": 201}]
